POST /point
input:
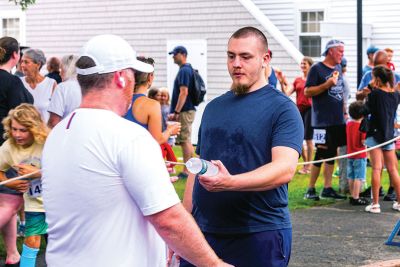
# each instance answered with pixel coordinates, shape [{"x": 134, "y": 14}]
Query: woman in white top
[
  {"x": 67, "y": 96},
  {"x": 39, "y": 86}
]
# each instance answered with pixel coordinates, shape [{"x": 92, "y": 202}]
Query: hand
[
  {"x": 365, "y": 91},
  {"x": 173, "y": 127},
  {"x": 19, "y": 185},
  {"x": 279, "y": 74},
  {"x": 26, "y": 169},
  {"x": 169, "y": 256},
  {"x": 220, "y": 182},
  {"x": 173, "y": 117}
]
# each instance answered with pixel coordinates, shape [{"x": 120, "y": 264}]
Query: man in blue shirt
[
  {"x": 182, "y": 107},
  {"x": 253, "y": 133},
  {"x": 370, "y": 54},
  {"x": 325, "y": 85}
]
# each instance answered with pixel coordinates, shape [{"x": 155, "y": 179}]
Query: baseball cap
[
  {"x": 178, "y": 49},
  {"x": 330, "y": 44},
  {"x": 372, "y": 49},
  {"x": 111, "y": 53}
]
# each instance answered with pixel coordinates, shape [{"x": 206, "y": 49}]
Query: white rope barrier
[
  {"x": 18, "y": 177},
  {"x": 324, "y": 160},
  {"x": 351, "y": 154}
]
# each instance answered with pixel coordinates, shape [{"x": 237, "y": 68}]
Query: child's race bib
[
  {"x": 35, "y": 188},
  {"x": 319, "y": 136}
]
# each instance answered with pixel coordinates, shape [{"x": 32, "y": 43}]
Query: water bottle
[{"x": 201, "y": 166}]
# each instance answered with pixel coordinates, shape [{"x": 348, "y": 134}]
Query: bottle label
[{"x": 203, "y": 167}]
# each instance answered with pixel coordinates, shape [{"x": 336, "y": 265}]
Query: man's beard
[{"x": 240, "y": 89}]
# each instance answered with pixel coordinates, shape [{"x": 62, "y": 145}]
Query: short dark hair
[
  {"x": 54, "y": 64},
  {"x": 248, "y": 31},
  {"x": 357, "y": 109},
  {"x": 89, "y": 82},
  {"x": 384, "y": 74},
  {"x": 141, "y": 77},
  {"x": 152, "y": 92},
  {"x": 8, "y": 46}
]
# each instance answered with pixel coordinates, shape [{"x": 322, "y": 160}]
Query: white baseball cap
[{"x": 111, "y": 53}]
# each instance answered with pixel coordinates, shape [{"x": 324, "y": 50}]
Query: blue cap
[
  {"x": 343, "y": 63},
  {"x": 372, "y": 49},
  {"x": 178, "y": 49},
  {"x": 330, "y": 44}
]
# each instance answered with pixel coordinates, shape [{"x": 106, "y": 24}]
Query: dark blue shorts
[{"x": 264, "y": 249}]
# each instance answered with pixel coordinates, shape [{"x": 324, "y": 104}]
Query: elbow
[
  {"x": 289, "y": 173},
  {"x": 307, "y": 92}
]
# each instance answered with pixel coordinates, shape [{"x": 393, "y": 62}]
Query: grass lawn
[{"x": 297, "y": 188}]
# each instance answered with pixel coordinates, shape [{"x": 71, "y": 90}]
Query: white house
[{"x": 293, "y": 28}]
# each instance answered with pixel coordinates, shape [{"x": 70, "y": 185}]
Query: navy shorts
[
  {"x": 308, "y": 130},
  {"x": 269, "y": 248}
]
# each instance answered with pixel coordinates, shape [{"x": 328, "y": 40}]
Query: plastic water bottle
[{"x": 201, "y": 166}]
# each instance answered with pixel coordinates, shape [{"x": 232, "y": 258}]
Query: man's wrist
[{"x": 177, "y": 112}]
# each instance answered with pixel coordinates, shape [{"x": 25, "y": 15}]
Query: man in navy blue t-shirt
[
  {"x": 325, "y": 85},
  {"x": 182, "y": 108},
  {"x": 253, "y": 133}
]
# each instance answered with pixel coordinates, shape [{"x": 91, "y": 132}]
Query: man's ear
[{"x": 120, "y": 80}]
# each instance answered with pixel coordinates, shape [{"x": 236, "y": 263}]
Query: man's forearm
[{"x": 178, "y": 229}]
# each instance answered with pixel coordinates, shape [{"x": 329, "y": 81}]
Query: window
[
  {"x": 11, "y": 27},
  {"x": 310, "y": 39}
]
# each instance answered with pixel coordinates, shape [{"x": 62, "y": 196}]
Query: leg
[
  {"x": 351, "y": 185},
  {"x": 184, "y": 138},
  {"x": 9, "y": 205},
  {"x": 310, "y": 150},
  {"x": 376, "y": 164},
  {"x": 328, "y": 171},
  {"x": 187, "y": 151},
  {"x": 391, "y": 165},
  {"x": 29, "y": 251}
]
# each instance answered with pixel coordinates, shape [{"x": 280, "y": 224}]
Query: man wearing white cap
[
  {"x": 325, "y": 85},
  {"x": 107, "y": 192}
]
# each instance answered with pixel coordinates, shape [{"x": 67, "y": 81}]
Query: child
[
  {"x": 357, "y": 164},
  {"x": 26, "y": 133}
]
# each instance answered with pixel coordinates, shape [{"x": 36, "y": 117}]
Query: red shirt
[
  {"x": 355, "y": 140},
  {"x": 302, "y": 101}
]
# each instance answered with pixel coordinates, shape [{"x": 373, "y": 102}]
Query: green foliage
[{"x": 23, "y": 3}]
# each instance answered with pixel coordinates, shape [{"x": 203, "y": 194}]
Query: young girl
[
  {"x": 26, "y": 133},
  {"x": 382, "y": 103}
]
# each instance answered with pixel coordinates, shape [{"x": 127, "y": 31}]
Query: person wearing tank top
[
  {"x": 129, "y": 115},
  {"x": 40, "y": 87}
]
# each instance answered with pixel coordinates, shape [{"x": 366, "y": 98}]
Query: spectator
[
  {"x": 26, "y": 133},
  {"x": 13, "y": 93},
  {"x": 325, "y": 85},
  {"x": 382, "y": 103},
  {"x": 110, "y": 174},
  {"x": 182, "y": 108},
  {"x": 53, "y": 68},
  {"x": 271, "y": 73},
  {"x": 390, "y": 63},
  {"x": 67, "y": 96},
  {"x": 40, "y": 87},
  {"x": 357, "y": 164},
  {"x": 154, "y": 93},
  {"x": 256, "y": 132},
  {"x": 304, "y": 105},
  {"x": 370, "y": 54}
]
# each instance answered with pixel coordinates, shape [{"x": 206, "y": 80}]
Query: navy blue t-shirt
[
  {"x": 241, "y": 132},
  {"x": 327, "y": 107},
  {"x": 183, "y": 78}
]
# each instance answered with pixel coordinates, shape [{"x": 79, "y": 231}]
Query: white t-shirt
[
  {"x": 66, "y": 98},
  {"x": 41, "y": 95},
  {"x": 101, "y": 175}
]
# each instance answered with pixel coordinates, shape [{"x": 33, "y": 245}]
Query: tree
[{"x": 23, "y": 3}]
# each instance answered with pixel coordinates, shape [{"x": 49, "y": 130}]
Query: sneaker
[
  {"x": 396, "y": 206},
  {"x": 373, "y": 208},
  {"x": 359, "y": 201},
  {"x": 391, "y": 195},
  {"x": 330, "y": 193},
  {"x": 336, "y": 173},
  {"x": 21, "y": 230},
  {"x": 311, "y": 194},
  {"x": 367, "y": 192}
]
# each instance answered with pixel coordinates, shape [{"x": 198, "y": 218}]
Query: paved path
[
  {"x": 338, "y": 235},
  {"x": 343, "y": 235}
]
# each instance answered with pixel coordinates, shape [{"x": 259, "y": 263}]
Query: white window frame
[
  {"x": 15, "y": 14},
  {"x": 305, "y": 34}
]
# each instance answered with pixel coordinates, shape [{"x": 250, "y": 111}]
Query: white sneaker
[
  {"x": 375, "y": 208},
  {"x": 396, "y": 206}
]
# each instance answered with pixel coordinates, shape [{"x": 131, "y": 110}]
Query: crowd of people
[{"x": 96, "y": 124}]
